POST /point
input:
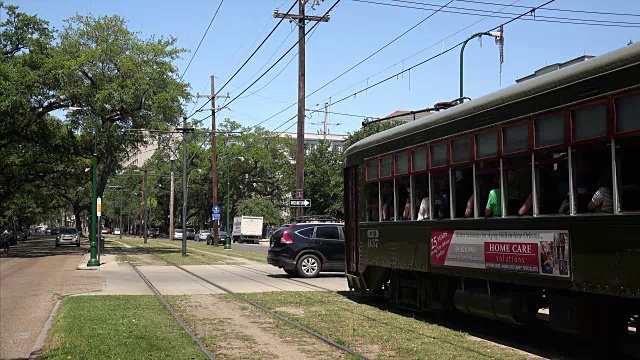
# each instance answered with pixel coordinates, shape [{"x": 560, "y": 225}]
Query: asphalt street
[{"x": 33, "y": 275}]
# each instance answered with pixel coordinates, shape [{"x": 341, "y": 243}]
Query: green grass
[
  {"x": 249, "y": 255},
  {"x": 166, "y": 252},
  {"x": 117, "y": 327},
  {"x": 376, "y": 333}
]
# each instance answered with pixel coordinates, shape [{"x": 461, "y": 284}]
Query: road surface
[{"x": 33, "y": 275}]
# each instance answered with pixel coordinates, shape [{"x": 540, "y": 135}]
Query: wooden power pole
[
  {"x": 214, "y": 171},
  {"x": 300, "y": 19}
]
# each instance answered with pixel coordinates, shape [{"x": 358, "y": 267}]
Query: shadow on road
[
  {"x": 321, "y": 275},
  {"x": 42, "y": 246}
]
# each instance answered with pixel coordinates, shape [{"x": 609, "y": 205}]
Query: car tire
[
  {"x": 78, "y": 245},
  {"x": 308, "y": 266},
  {"x": 291, "y": 272}
]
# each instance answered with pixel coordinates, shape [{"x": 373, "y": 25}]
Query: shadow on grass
[{"x": 536, "y": 338}]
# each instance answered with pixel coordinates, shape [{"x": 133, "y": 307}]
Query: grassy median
[
  {"x": 376, "y": 333},
  {"x": 117, "y": 327}
]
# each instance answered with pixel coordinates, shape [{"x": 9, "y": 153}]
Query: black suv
[{"x": 308, "y": 248}]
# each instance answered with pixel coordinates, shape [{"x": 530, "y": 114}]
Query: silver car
[{"x": 68, "y": 236}]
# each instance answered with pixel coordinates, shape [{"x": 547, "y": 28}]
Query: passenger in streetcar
[
  {"x": 406, "y": 215},
  {"x": 423, "y": 211},
  {"x": 602, "y": 200}
]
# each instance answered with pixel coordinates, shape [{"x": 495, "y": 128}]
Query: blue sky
[{"x": 355, "y": 31}]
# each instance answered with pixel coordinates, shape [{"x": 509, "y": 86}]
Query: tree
[
  {"x": 259, "y": 207},
  {"x": 124, "y": 82},
  {"x": 370, "y": 129},
  {"x": 323, "y": 178}
]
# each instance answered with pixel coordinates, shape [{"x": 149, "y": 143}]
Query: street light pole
[
  {"x": 145, "y": 196},
  {"x": 495, "y": 34},
  {"x": 93, "y": 259}
]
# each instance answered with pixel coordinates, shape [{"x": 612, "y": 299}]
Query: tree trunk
[{"x": 77, "y": 215}]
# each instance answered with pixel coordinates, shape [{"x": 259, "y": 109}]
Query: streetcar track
[
  {"x": 162, "y": 300},
  {"x": 230, "y": 292}
]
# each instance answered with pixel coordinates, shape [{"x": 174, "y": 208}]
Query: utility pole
[
  {"x": 301, "y": 20},
  {"x": 172, "y": 157},
  {"x": 214, "y": 172},
  {"x": 326, "y": 122},
  {"x": 184, "y": 131}
]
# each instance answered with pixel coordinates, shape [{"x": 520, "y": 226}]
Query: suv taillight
[{"x": 286, "y": 239}]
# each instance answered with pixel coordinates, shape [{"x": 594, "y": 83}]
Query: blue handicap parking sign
[{"x": 215, "y": 216}]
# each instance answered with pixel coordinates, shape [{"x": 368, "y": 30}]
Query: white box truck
[{"x": 247, "y": 229}]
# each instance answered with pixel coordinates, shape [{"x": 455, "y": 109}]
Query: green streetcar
[{"x": 525, "y": 199}]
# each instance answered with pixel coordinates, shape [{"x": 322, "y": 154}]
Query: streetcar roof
[{"x": 618, "y": 59}]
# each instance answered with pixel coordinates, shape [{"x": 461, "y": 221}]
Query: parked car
[
  {"x": 177, "y": 234},
  {"x": 306, "y": 249},
  {"x": 116, "y": 231},
  {"x": 54, "y": 231},
  {"x": 202, "y": 235},
  {"x": 191, "y": 233},
  {"x": 106, "y": 230},
  {"x": 222, "y": 238},
  {"x": 68, "y": 236},
  {"x": 153, "y": 233}
]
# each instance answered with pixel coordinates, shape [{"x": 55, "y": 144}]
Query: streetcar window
[
  {"x": 403, "y": 198},
  {"x": 388, "y": 208},
  {"x": 373, "y": 198},
  {"x": 439, "y": 155},
  {"x": 592, "y": 179},
  {"x": 552, "y": 182},
  {"x": 518, "y": 198},
  {"x": 487, "y": 144},
  {"x": 550, "y": 130},
  {"x": 516, "y": 138},
  {"x": 589, "y": 122},
  {"x": 628, "y": 113},
  {"x": 627, "y": 155},
  {"x": 421, "y": 196},
  {"x": 402, "y": 163},
  {"x": 463, "y": 195},
  {"x": 385, "y": 167},
  {"x": 419, "y": 159},
  {"x": 372, "y": 169},
  {"x": 440, "y": 202},
  {"x": 487, "y": 179},
  {"x": 461, "y": 150}
]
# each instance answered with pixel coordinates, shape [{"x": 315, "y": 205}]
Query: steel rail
[{"x": 159, "y": 296}]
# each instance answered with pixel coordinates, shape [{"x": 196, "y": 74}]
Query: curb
[
  {"x": 37, "y": 348},
  {"x": 83, "y": 263}
]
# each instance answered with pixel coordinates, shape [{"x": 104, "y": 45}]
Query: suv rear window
[
  {"x": 306, "y": 232},
  {"x": 327, "y": 232}
]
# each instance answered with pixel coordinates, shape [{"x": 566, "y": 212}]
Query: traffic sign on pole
[
  {"x": 99, "y": 212},
  {"x": 215, "y": 212},
  {"x": 299, "y": 203}
]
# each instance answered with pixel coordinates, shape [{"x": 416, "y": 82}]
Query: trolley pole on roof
[
  {"x": 495, "y": 34},
  {"x": 301, "y": 19}
]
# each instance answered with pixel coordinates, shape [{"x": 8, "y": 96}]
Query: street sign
[
  {"x": 299, "y": 203},
  {"x": 99, "y": 206},
  {"x": 215, "y": 212}
]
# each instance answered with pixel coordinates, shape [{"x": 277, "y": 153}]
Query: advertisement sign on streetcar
[{"x": 543, "y": 252}]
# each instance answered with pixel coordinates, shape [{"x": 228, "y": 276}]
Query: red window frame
[
  {"x": 430, "y": 152},
  {"x": 472, "y": 148},
  {"x": 366, "y": 171},
  {"x": 567, "y": 130},
  {"x": 426, "y": 165},
  {"x": 615, "y": 116},
  {"x": 380, "y": 177},
  {"x": 495, "y": 130},
  {"x": 408, "y": 153},
  {"x": 609, "y": 121},
  {"x": 529, "y": 124}
]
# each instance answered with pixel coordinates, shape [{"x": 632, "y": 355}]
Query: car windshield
[
  {"x": 178, "y": 230},
  {"x": 68, "y": 231}
]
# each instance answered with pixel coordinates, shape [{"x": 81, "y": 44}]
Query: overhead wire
[
  {"x": 551, "y": 9},
  {"x": 538, "y": 18},
  {"x": 246, "y": 61},
  {"x": 201, "y": 40}
]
